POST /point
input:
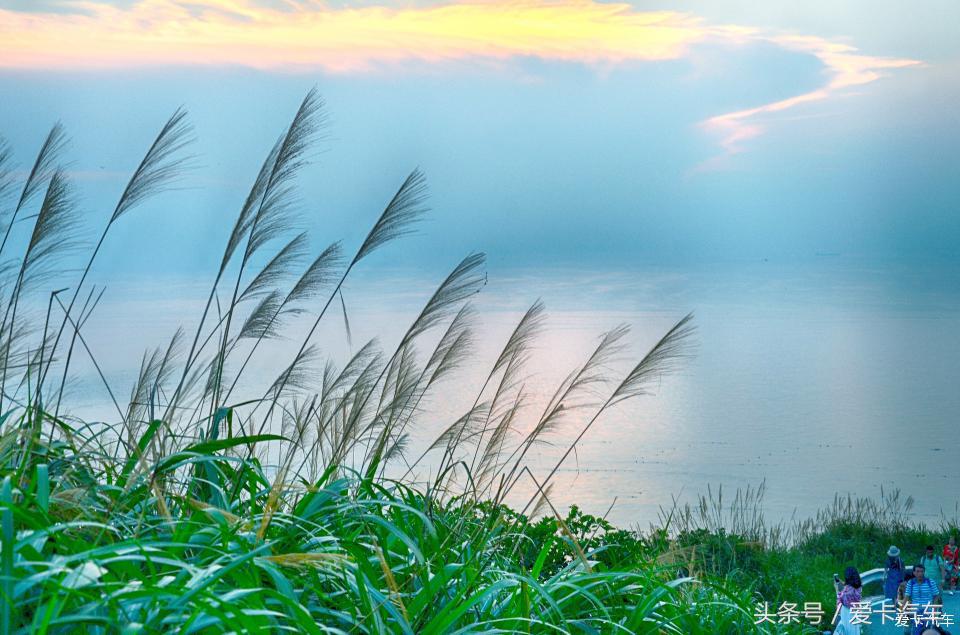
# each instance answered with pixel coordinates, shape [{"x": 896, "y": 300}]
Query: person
[
  {"x": 848, "y": 595},
  {"x": 933, "y": 566},
  {"x": 922, "y": 592},
  {"x": 893, "y": 574},
  {"x": 951, "y": 559}
]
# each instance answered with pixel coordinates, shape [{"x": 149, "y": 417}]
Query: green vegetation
[
  {"x": 795, "y": 562},
  {"x": 195, "y": 510}
]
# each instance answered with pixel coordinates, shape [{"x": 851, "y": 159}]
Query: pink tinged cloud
[
  {"x": 307, "y": 35},
  {"x": 844, "y": 66}
]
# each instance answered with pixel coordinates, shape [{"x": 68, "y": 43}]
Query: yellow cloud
[
  {"x": 212, "y": 32},
  {"x": 308, "y": 35}
]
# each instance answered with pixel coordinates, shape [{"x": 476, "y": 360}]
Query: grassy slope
[{"x": 96, "y": 547}]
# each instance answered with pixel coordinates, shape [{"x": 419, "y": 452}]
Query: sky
[{"x": 559, "y": 133}]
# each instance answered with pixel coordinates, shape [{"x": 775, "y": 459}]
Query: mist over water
[{"x": 819, "y": 378}]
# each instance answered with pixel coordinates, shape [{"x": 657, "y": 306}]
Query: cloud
[
  {"x": 844, "y": 66},
  {"x": 292, "y": 36},
  {"x": 310, "y": 36}
]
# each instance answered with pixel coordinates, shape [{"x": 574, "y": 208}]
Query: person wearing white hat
[{"x": 893, "y": 574}]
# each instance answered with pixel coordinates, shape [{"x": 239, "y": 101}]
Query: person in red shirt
[{"x": 951, "y": 560}]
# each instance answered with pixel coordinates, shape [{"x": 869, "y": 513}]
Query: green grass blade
[
  {"x": 6, "y": 558},
  {"x": 43, "y": 486}
]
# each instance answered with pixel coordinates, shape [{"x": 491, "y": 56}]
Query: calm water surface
[{"x": 822, "y": 378}]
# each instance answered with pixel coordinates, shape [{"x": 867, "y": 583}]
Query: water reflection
[{"x": 818, "y": 379}]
